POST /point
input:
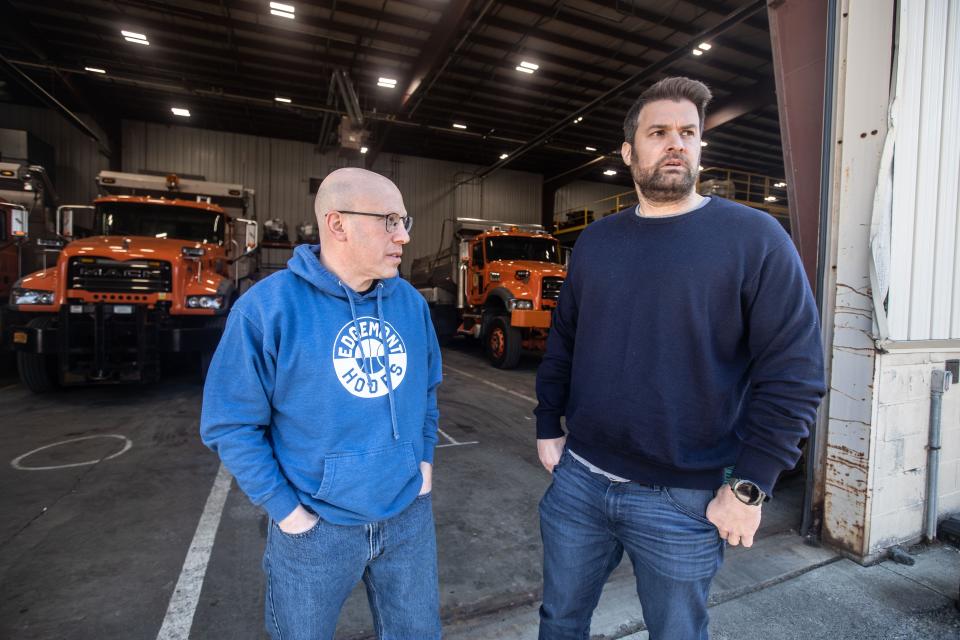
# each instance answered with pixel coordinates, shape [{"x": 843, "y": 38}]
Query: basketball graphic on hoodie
[{"x": 362, "y": 354}]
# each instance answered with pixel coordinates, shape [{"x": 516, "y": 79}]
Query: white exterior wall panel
[{"x": 924, "y": 256}]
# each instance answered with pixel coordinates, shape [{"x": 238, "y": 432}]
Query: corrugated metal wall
[
  {"x": 924, "y": 302},
  {"x": 280, "y": 170},
  {"x": 77, "y": 158}
]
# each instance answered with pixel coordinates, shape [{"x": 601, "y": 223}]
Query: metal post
[{"x": 939, "y": 382}]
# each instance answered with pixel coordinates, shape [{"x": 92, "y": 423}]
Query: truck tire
[
  {"x": 502, "y": 343},
  {"x": 38, "y": 371}
]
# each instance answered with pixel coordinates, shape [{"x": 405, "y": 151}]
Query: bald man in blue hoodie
[{"x": 322, "y": 401}]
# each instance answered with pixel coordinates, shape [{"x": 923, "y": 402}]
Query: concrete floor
[{"x": 95, "y": 551}]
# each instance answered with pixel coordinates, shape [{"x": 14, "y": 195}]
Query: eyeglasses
[{"x": 391, "y": 220}]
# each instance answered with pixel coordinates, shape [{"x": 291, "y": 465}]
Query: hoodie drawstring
[
  {"x": 386, "y": 355},
  {"x": 386, "y": 351}
]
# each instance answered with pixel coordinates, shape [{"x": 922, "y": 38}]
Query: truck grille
[
  {"x": 106, "y": 275},
  {"x": 551, "y": 288}
]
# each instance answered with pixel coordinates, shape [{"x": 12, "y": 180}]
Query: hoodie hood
[{"x": 305, "y": 263}]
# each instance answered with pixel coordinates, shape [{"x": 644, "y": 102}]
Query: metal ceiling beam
[
  {"x": 436, "y": 49},
  {"x": 743, "y": 102},
  {"x": 730, "y": 21}
]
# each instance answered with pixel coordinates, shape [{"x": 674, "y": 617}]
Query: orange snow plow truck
[
  {"x": 495, "y": 281},
  {"x": 152, "y": 267}
]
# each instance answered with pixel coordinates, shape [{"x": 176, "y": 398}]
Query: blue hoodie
[{"x": 298, "y": 403}]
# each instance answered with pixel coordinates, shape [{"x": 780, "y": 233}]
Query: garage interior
[{"x": 499, "y": 109}]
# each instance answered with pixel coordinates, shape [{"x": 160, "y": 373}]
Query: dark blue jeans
[
  {"x": 310, "y": 575},
  {"x": 587, "y": 522}
]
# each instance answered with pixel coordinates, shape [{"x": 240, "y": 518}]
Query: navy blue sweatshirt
[{"x": 683, "y": 345}]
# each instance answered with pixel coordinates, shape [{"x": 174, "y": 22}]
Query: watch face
[{"x": 748, "y": 492}]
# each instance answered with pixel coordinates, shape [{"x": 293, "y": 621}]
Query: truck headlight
[
  {"x": 521, "y": 305},
  {"x": 204, "y": 302},
  {"x": 31, "y": 296}
]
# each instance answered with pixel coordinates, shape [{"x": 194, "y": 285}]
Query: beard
[{"x": 661, "y": 187}]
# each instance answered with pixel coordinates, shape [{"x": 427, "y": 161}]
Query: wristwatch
[{"x": 747, "y": 492}]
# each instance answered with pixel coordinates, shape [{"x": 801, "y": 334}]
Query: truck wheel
[
  {"x": 502, "y": 343},
  {"x": 38, "y": 371}
]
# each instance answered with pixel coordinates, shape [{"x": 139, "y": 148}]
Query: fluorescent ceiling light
[
  {"x": 780, "y": 185},
  {"x": 697, "y": 52},
  {"x": 703, "y": 143},
  {"x": 529, "y": 65},
  {"x": 286, "y": 100},
  {"x": 363, "y": 149},
  {"x": 282, "y": 14},
  {"x": 706, "y": 46},
  {"x": 580, "y": 119},
  {"x": 135, "y": 41},
  {"x": 386, "y": 86},
  {"x": 504, "y": 156},
  {"x": 133, "y": 34},
  {"x": 700, "y": 167},
  {"x": 177, "y": 111},
  {"x": 771, "y": 198},
  {"x": 609, "y": 172},
  {"x": 386, "y": 81},
  {"x": 94, "y": 70},
  {"x": 289, "y": 8},
  {"x": 524, "y": 69},
  {"x": 457, "y": 125},
  {"x": 590, "y": 148}
]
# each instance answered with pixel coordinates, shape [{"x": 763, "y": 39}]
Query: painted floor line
[
  {"x": 183, "y": 603},
  {"x": 455, "y": 444},
  {"x": 447, "y": 436},
  {"x": 491, "y": 384}
]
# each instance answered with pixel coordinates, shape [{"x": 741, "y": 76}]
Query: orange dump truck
[
  {"x": 152, "y": 266},
  {"x": 495, "y": 281}
]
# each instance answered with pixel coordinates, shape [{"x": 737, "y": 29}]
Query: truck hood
[
  {"x": 533, "y": 266},
  {"x": 128, "y": 248}
]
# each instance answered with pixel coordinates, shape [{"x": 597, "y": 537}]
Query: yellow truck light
[{"x": 19, "y": 337}]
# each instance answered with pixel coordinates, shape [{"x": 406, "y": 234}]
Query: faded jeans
[
  {"x": 310, "y": 575},
  {"x": 587, "y": 521}
]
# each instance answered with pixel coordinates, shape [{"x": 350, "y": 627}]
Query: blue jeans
[
  {"x": 310, "y": 575},
  {"x": 587, "y": 521}
]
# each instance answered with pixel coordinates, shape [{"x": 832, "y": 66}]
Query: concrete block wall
[{"x": 898, "y": 492}]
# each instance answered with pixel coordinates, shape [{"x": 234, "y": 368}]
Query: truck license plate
[{"x": 123, "y": 308}]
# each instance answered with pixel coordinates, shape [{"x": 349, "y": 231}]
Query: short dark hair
[{"x": 676, "y": 88}]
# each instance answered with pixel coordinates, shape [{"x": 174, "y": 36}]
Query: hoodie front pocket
[{"x": 361, "y": 480}]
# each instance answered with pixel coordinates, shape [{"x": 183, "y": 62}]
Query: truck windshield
[
  {"x": 159, "y": 221},
  {"x": 520, "y": 248}
]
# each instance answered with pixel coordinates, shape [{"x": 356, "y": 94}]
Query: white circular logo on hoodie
[{"x": 360, "y": 359}]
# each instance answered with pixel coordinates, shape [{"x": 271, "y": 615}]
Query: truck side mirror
[
  {"x": 65, "y": 219},
  {"x": 250, "y": 234},
  {"x": 18, "y": 222}
]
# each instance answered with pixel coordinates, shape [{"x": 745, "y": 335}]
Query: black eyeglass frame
[{"x": 407, "y": 219}]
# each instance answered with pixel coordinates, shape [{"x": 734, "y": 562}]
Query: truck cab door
[{"x": 476, "y": 271}]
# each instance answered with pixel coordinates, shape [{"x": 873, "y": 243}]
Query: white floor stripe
[
  {"x": 447, "y": 436},
  {"x": 491, "y": 384},
  {"x": 456, "y": 444},
  {"x": 183, "y": 602}
]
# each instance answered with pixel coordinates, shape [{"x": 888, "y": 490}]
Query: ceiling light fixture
[
  {"x": 134, "y": 37},
  {"x": 524, "y": 70},
  {"x": 780, "y": 185},
  {"x": 703, "y": 143},
  {"x": 457, "y": 125},
  {"x": 283, "y": 10},
  {"x": 697, "y": 52},
  {"x": 706, "y": 46},
  {"x": 609, "y": 172},
  {"x": 94, "y": 70},
  {"x": 590, "y": 148},
  {"x": 529, "y": 65},
  {"x": 771, "y": 198},
  {"x": 504, "y": 156},
  {"x": 178, "y": 111},
  {"x": 389, "y": 83},
  {"x": 700, "y": 167},
  {"x": 363, "y": 149},
  {"x": 285, "y": 100}
]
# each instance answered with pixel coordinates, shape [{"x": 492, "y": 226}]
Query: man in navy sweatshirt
[
  {"x": 686, "y": 342},
  {"x": 322, "y": 401}
]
